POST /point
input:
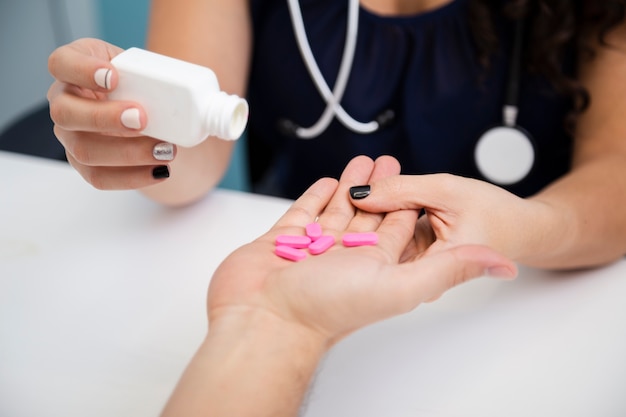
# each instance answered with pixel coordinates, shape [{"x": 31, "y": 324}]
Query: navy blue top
[{"x": 423, "y": 67}]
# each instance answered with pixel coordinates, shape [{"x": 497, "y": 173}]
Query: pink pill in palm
[
  {"x": 313, "y": 230},
  {"x": 322, "y": 244},
  {"x": 290, "y": 253},
  {"x": 293, "y": 241},
  {"x": 360, "y": 239}
]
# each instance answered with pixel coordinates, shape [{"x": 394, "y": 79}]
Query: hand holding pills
[
  {"x": 351, "y": 265},
  {"x": 272, "y": 319}
]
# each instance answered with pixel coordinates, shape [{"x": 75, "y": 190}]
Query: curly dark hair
[{"x": 553, "y": 28}]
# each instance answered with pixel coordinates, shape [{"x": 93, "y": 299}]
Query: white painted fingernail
[
  {"x": 103, "y": 78},
  {"x": 130, "y": 118},
  {"x": 163, "y": 151}
]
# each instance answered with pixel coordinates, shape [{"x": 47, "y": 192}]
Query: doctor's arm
[
  {"x": 102, "y": 137},
  {"x": 577, "y": 221},
  {"x": 215, "y": 34},
  {"x": 589, "y": 202},
  {"x": 271, "y": 320}
]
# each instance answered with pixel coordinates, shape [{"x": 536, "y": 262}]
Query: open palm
[{"x": 344, "y": 288}]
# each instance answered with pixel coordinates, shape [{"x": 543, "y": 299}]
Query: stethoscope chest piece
[{"x": 504, "y": 155}]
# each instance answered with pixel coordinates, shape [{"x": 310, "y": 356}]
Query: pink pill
[
  {"x": 287, "y": 252},
  {"x": 294, "y": 241},
  {"x": 314, "y": 231},
  {"x": 322, "y": 244},
  {"x": 360, "y": 239}
]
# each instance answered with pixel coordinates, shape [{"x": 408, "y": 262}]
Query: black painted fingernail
[
  {"x": 360, "y": 191},
  {"x": 161, "y": 172}
]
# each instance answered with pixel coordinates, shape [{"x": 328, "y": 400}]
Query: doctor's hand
[
  {"x": 462, "y": 211},
  {"x": 95, "y": 131}
]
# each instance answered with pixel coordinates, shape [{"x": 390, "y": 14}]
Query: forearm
[
  {"x": 250, "y": 365},
  {"x": 215, "y": 34},
  {"x": 587, "y": 221}
]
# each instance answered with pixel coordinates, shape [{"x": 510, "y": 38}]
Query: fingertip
[
  {"x": 361, "y": 159},
  {"x": 164, "y": 151},
  {"x": 495, "y": 264},
  {"x": 103, "y": 78},
  {"x": 388, "y": 164},
  {"x": 358, "y": 167},
  {"x": 501, "y": 271},
  {"x": 324, "y": 185},
  {"x": 359, "y": 192},
  {"x": 161, "y": 172},
  {"x": 131, "y": 118},
  {"x": 85, "y": 63}
]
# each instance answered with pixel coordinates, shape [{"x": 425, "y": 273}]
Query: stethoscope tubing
[
  {"x": 510, "y": 108},
  {"x": 332, "y": 98},
  {"x": 508, "y": 131}
]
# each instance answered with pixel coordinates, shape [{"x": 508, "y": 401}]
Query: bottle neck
[{"x": 227, "y": 115}]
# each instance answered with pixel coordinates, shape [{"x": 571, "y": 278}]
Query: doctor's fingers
[
  {"x": 120, "y": 178},
  {"x": 93, "y": 149},
  {"x": 433, "y": 191},
  {"x": 365, "y": 221},
  {"x": 71, "y": 110},
  {"x": 85, "y": 63},
  {"x": 427, "y": 278}
]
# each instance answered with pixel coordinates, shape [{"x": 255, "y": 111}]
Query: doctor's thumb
[{"x": 384, "y": 196}]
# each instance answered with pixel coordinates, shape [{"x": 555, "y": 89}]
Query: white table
[{"x": 102, "y": 304}]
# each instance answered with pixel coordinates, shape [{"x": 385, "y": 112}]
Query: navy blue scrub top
[{"x": 423, "y": 67}]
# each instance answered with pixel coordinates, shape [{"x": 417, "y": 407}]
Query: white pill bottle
[{"x": 183, "y": 101}]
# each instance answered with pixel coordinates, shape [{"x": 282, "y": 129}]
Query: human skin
[
  {"x": 577, "y": 221},
  {"x": 271, "y": 320}
]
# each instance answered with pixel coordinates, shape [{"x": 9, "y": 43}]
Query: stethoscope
[{"x": 503, "y": 155}]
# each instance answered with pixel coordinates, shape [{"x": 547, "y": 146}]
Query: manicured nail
[
  {"x": 163, "y": 151},
  {"x": 360, "y": 191},
  {"x": 130, "y": 118},
  {"x": 103, "y": 78},
  {"x": 161, "y": 172}
]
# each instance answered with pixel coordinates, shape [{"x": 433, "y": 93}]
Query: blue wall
[{"x": 123, "y": 23}]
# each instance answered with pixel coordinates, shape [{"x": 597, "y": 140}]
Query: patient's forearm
[{"x": 251, "y": 365}]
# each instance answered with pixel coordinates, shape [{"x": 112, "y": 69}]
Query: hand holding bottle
[
  {"x": 95, "y": 131},
  {"x": 102, "y": 95}
]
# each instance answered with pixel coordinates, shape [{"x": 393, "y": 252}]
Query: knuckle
[
  {"x": 59, "y": 134},
  {"x": 396, "y": 185},
  {"x": 80, "y": 151},
  {"x": 447, "y": 183},
  {"x": 99, "y": 118},
  {"x": 58, "y": 114},
  {"x": 130, "y": 152},
  {"x": 96, "y": 181},
  {"x": 51, "y": 93}
]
